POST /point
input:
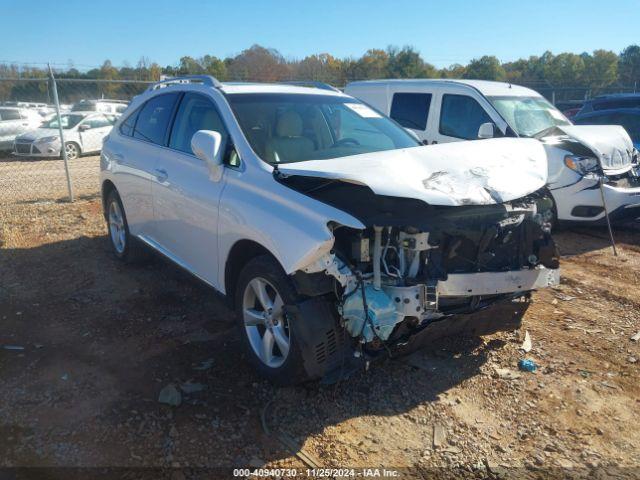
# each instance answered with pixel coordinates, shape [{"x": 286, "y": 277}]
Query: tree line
[{"x": 597, "y": 70}]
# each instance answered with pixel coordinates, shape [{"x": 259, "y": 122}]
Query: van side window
[
  {"x": 411, "y": 110},
  {"x": 154, "y": 118},
  {"x": 195, "y": 112},
  {"x": 461, "y": 117}
]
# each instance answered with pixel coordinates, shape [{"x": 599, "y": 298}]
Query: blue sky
[{"x": 445, "y": 32}]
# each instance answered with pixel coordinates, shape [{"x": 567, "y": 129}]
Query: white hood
[
  {"x": 611, "y": 143},
  {"x": 477, "y": 172}
]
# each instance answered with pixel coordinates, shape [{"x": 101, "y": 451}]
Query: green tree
[
  {"x": 373, "y": 64},
  {"x": 565, "y": 69},
  {"x": 629, "y": 65},
  {"x": 601, "y": 68},
  {"x": 485, "y": 68},
  {"x": 407, "y": 63}
]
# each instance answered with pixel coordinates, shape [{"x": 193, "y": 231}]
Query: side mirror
[
  {"x": 206, "y": 146},
  {"x": 486, "y": 130},
  {"x": 84, "y": 127}
]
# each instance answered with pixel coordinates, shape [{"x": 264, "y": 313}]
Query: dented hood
[
  {"x": 611, "y": 144},
  {"x": 476, "y": 172}
]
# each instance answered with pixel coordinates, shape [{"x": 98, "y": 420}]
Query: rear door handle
[{"x": 161, "y": 174}]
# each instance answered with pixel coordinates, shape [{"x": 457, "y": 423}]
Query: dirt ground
[{"x": 87, "y": 344}]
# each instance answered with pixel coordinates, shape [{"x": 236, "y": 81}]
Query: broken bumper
[
  {"x": 583, "y": 200},
  {"x": 492, "y": 283}
]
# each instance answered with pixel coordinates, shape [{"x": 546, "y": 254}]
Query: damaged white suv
[{"x": 334, "y": 233}]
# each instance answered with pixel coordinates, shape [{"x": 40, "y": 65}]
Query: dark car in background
[
  {"x": 629, "y": 118},
  {"x": 613, "y": 101}
]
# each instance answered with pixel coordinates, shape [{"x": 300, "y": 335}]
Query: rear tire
[
  {"x": 123, "y": 244},
  {"x": 268, "y": 337}
]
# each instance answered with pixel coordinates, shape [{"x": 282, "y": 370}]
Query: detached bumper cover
[{"x": 493, "y": 283}]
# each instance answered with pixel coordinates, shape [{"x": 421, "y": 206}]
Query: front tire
[
  {"x": 268, "y": 336},
  {"x": 123, "y": 245},
  {"x": 73, "y": 150}
]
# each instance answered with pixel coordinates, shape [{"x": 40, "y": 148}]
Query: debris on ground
[
  {"x": 527, "y": 365},
  {"x": 192, "y": 387},
  {"x": 170, "y": 395},
  {"x": 506, "y": 373},
  {"x": 205, "y": 365},
  {"x": 526, "y": 344},
  {"x": 439, "y": 435},
  {"x": 636, "y": 337}
]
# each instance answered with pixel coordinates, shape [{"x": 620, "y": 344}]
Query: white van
[{"x": 440, "y": 111}]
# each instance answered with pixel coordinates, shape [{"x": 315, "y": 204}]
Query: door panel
[{"x": 185, "y": 200}]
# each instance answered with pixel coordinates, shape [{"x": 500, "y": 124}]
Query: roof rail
[
  {"x": 312, "y": 84},
  {"x": 204, "y": 79}
]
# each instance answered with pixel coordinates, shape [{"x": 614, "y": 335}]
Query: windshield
[
  {"x": 285, "y": 128},
  {"x": 68, "y": 121},
  {"x": 529, "y": 116}
]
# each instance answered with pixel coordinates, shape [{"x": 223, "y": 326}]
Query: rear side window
[
  {"x": 195, "y": 112},
  {"x": 411, "y": 110},
  {"x": 461, "y": 117},
  {"x": 154, "y": 118},
  {"x": 9, "y": 115}
]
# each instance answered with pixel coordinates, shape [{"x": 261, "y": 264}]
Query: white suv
[{"x": 334, "y": 233}]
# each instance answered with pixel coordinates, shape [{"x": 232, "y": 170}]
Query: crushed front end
[{"x": 416, "y": 264}]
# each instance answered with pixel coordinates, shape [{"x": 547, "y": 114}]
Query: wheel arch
[
  {"x": 240, "y": 254},
  {"x": 107, "y": 187}
]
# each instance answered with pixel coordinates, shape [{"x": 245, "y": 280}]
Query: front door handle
[{"x": 161, "y": 175}]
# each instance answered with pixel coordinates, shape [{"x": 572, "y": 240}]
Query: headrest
[{"x": 289, "y": 125}]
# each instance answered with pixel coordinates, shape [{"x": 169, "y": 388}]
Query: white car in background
[
  {"x": 100, "y": 105},
  {"x": 579, "y": 156},
  {"x": 83, "y": 133},
  {"x": 13, "y": 122}
]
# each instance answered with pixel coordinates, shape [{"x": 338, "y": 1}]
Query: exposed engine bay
[{"x": 417, "y": 263}]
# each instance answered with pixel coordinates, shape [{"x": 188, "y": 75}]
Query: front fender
[{"x": 290, "y": 225}]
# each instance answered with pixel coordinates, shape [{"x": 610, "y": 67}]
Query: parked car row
[{"x": 27, "y": 131}]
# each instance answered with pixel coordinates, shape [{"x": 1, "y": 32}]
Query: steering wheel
[{"x": 346, "y": 141}]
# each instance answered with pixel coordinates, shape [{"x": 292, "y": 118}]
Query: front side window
[
  {"x": 411, "y": 110},
  {"x": 68, "y": 121},
  {"x": 529, "y": 116},
  {"x": 195, "y": 112},
  {"x": 461, "y": 117},
  {"x": 285, "y": 128},
  {"x": 154, "y": 118}
]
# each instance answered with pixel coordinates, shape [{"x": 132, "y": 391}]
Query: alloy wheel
[
  {"x": 116, "y": 227},
  {"x": 265, "y": 322},
  {"x": 72, "y": 151}
]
